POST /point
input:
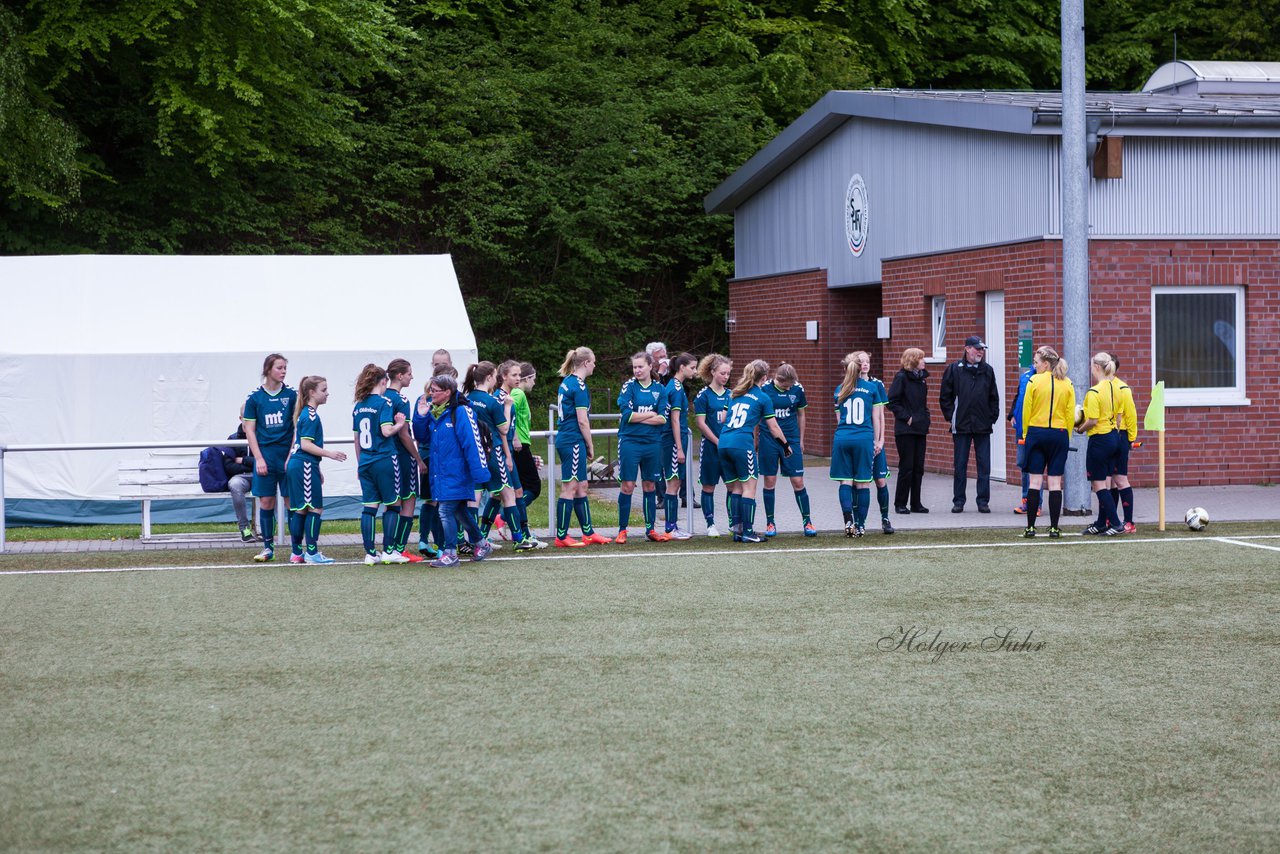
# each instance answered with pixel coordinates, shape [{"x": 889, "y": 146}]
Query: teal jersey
[
  {"x": 489, "y": 411},
  {"x": 272, "y": 417},
  {"x": 401, "y": 405},
  {"x": 636, "y": 398},
  {"x": 309, "y": 427},
  {"x": 367, "y": 419},
  {"x": 571, "y": 397},
  {"x": 853, "y": 414},
  {"x": 712, "y": 406},
  {"x": 745, "y": 413},
  {"x": 786, "y": 408},
  {"x": 678, "y": 402}
]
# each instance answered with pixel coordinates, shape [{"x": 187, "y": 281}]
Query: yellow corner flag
[{"x": 1154, "y": 419}]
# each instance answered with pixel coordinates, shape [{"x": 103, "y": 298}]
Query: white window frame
[
  {"x": 938, "y": 311},
  {"x": 1224, "y": 396}
]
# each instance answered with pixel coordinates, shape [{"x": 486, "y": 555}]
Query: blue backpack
[{"x": 213, "y": 474}]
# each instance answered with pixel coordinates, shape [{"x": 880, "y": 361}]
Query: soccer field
[{"x": 792, "y": 696}]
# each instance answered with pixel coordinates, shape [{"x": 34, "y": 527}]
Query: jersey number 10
[{"x": 855, "y": 411}]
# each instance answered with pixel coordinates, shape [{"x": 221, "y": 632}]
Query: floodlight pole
[{"x": 1074, "y": 165}]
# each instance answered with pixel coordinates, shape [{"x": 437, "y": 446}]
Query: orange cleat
[
  {"x": 656, "y": 537},
  {"x": 569, "y": 543},
  {"x": 622, "y": 537},
  {"x": 413, "y": 558},
  {"x": 595, "y": 538}
]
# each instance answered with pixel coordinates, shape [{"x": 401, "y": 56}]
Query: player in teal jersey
[
  {"x": 270, "y": 412},
  {"x": 708, "y": 410},
  {"x": 880, "y": 465},
  {"x": 858, "y": 438},
  {"x": 789, "y": 403},
  {"x": 376, "y": 424},
  {"x": 408, "y": 457},
  {"x": 675, "y": 441},
  {"x": 480, "y": 387},
  {"x": 749, "y": 407},
  {"x": 643, "y": 404},
  {"x": 575, "y": 449},
  {"x": 305, "y": 484}
]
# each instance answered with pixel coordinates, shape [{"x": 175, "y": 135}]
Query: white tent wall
[{"x": 139, "y": 348}]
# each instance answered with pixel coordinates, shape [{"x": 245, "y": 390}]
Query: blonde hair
[
  {"x": 307, "y": 387},
  {"x": 710, "y": 364},
  {"x": 911, "y": 358},
  {"x": 575, "y": 359},
  {"x": 752, "y": 374},
  {"x": 1103, "y": 360},
  {"x": 852, "y": 370},
  {"x": 787, "y": 373},
  {"x": 1057, "y": 364}
]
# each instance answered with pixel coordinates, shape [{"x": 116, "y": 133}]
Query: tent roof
[{"x": 118, "y": 304}]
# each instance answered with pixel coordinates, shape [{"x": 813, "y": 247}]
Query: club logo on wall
[{"x": 856, "y": 215}]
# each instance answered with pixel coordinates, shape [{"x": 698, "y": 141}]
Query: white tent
[{"x": 165, "y": 348}]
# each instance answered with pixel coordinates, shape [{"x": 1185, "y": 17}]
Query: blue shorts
[
  {"x": 672, "y": 468},
  {"x": 771, "y": 458},
  {"x": 851, "y": 459},
  {"x": 1100, "y": 455},
  {"x": 708, "y": 463},
  {"x": 644, "y": 458},
  {"x": 265, "y": 485},
  {"x": 500, "y": 474},
  {"x": 1120, "y": 462},
  {"x": 380, "y": 482},
  {"x": 1046, "y": 450},
  {"x": 738, "y": 464},
  {"x": 573, "y": 461},
  {"x": 303, "y": 482},
  {"x": 880, "y": 465},
  {"x": 409, "y": 485}
]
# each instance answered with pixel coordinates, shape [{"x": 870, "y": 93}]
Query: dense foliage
[{"x": 560, "y": 150}]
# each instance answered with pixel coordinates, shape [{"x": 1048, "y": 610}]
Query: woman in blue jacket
[{"x": 459, "y": 465}]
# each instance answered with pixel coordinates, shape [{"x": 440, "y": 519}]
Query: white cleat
[
  {"x": 394, "y": 557},
  {"x": 712, "y": 531},
  {"x": 680, "y": 534}
]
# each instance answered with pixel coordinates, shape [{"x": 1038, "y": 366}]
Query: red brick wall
[{"x": 1241, "y": 441}]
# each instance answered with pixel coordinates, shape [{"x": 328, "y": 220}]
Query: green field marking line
[{"x": 615, "y": 554}]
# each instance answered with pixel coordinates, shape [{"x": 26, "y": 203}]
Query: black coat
[
  {"x": 969, "y": 397},
  {"x": 908, "y": 399}
]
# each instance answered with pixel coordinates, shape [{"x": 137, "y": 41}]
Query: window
[
  {"x": 938, "y": 322},
  {"x": 1198, "y": 344}
]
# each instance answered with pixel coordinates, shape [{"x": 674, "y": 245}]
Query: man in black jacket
[{"x": 971, "y": 402}]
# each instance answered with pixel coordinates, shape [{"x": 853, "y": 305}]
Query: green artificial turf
[{"x": 627, "y": 700}]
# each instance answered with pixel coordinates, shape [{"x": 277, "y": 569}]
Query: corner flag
[{"x": 1154, "y": 419}]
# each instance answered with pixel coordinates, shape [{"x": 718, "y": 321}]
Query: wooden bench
[{"x": 162, "y": 477}]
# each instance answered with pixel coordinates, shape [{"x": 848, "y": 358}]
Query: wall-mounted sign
[{"x": 855, "y": 215}]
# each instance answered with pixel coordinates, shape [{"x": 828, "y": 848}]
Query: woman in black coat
[{"x": 907, "y": 402}]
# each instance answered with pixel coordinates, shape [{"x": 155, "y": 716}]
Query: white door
[{"x": 995, "y": 355}]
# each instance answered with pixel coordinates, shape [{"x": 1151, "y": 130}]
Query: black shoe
[
  {"x": 920, "y": 509},
  {"x": 902, "y": 511},
  {"x": 1092, "y": 530},
  {"x": 696, "y": 504},
  {"x": 684, "y": 502},
  {"x": 982, "y": 508},
  {"x": 957, "y": 508},
  {"x": 1030, "y": 532},
  {"x": 888, "y": 528}
]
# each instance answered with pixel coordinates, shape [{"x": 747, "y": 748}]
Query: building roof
[
  {"x": 1018, "y": 112},
  {"x": 1183, "y": 77}
]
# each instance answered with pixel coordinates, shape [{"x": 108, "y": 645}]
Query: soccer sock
[
  {"x": 312, "y": 531},
  {"x": 513, "y": 523},
  {"x": 1055, "y": 507},
  {"x": 709, "y": 507},
  {"x": 564, "y": 515},
  {"x": 267, "y": 525},
  {"x": 846, "y": 501},
  {"x": 802, "y": 501},
  {"x": 522, "y": 515},
  {"x": 1033, "y": 507},
  {"x": 425, "y": 525},
  {"x": 390, "y": 528},
  {"x": 295, "y": 531},
  {"x": 492, "y": 507},
  {"x": 402, "y": 535},
  {"x": 770, "y": 499},
  {"x": 1126, "y": 501},
  {"x": 731, "y": 504},
  {"x": 747, "y": 507},
  {"x": 882, "y": 495},
  {"x": 649, "y": 501},
  {"x": 583, "y": 509},
  {"x": 473, "y": 513},
  {"x": 673, "y": 510},
  {"x": 1107, "y": 508},
  {"x": 1115, "y": 499},
  {"x": 624, "y": 511},
  {"x": 368, "y": 518},
  {"x": 864, "y": 504},
  {"x": 735, "y": 510}
]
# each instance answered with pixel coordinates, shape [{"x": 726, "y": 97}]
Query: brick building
[{"x": 900, "y": 219}]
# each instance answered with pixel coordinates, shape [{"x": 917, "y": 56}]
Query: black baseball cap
[{"x": 974, "y": 341}]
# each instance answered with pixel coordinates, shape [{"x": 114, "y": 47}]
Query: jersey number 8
[{"x": 366, "y": 434}]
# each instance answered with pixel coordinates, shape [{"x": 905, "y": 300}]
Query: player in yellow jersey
[
  {"x": 1127, "y": 427},
  {"x": 1100, "y": 457},
  {"x": 1048, "y": 410}
]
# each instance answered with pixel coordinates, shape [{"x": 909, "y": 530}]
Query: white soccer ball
[{"x": 1197, "y": 518}]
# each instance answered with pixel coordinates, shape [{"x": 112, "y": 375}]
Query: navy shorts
[
  {"x": 851, "y": 459},
  {"x": 1100, "y": 455},
  {"x": 265, "y": 485},
  {"x": 500, "y": 474},
  {"x": 409, "y": 485},
  {"x": 708, "y": 463},
  {"x": 1120, "y": 462},
  {"x": 880, "y": 466},
  {"x": 303, "y": 482},
  {"x": 672, "y": 468},
  {"x": 573, "y": 461},
  {"x": 771, "y": 458},
  {"x": 738, "y": 464},
  {"x": 639, "y": 458},
  {"x": 1046, "y": 450},
  {"x": 380, "y": 482}
]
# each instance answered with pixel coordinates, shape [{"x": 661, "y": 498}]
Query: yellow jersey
[
  {"x": 1125, "y": 409},
  {"x": 1100, "y": 403},
  {"x": 1049, "y": 402}
]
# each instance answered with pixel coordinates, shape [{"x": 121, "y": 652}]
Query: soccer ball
[{"x": 1197, "y": 518}]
